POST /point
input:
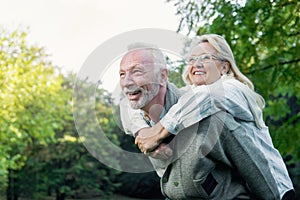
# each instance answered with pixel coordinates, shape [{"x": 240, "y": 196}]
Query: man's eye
[
  {"x": 122, "y": 74},
  {"x": 137, "y": 72}
]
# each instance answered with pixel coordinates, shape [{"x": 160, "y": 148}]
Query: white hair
[{"x": 158, "y": 56}]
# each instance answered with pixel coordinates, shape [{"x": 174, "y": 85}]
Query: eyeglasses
[{"x": 205, "y": 58}]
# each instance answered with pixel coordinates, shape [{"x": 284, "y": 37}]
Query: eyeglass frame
[{"x": 211, "y": 57}]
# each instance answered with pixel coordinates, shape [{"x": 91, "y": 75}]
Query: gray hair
[{"x": 158, "y": 56}]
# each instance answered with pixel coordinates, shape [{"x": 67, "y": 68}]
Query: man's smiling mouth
[{"x": 133, "y": 95}]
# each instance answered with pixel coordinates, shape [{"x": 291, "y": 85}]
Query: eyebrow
[{"x": 131, "y": 67}]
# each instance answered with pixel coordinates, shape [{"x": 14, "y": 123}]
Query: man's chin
[{"x": 135, "y": 105}]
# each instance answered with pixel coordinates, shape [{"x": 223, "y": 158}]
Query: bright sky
[{"x": 71, "y": 29}]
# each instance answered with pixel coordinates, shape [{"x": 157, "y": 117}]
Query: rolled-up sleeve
[
  {"x": 191, "y": 108},
  {"x": 132, "y": 119}
]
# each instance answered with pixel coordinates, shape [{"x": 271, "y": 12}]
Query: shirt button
[{"x": 165, "y": 179}]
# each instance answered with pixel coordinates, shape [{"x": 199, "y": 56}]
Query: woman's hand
[
  {"x": 163, "y": 151},
  {"x": 148, "y": 139}
]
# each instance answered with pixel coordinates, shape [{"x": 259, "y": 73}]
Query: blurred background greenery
[{"x": 41, "y": 155}]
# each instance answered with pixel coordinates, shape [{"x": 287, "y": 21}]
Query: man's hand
[
  {"x": 163, "y": 151},
  {"x": 148, "y": 139}
]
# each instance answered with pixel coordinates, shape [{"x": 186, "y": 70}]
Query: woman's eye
[
  {"x": 192, "y": 59},
  {"x": 205, "y": 57}
]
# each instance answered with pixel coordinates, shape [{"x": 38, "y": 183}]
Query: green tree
[
  {"x": 40, "y": 151},
  {"x": 64, "y": 167},
  {"x": 264, "y": 36},
  {"x": 31, "y": 101}
]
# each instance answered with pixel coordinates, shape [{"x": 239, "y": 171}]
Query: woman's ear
[{"x": 225, "y": 68}]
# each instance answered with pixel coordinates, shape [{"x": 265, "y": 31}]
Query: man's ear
[{"x": 164, "y": 76}]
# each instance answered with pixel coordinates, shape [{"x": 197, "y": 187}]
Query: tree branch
[{"x": 271, "y": 66}]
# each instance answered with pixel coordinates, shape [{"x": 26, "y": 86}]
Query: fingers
[
  {"x": 146, "y": 145},
  {"x": 168, "y": 152},
  {"x": 158, "y": 155},
  {"x": 163, "y": 151},
  {"x": 136, "y": 141},
  {"x": 143, "y": 149}
]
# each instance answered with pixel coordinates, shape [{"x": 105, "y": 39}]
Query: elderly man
[{"x": 213, "y": 159}]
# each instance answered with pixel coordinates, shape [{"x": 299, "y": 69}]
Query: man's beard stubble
[{"x": 146, "y": 95}]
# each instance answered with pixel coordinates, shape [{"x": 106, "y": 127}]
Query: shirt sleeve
[
  {"x": 203, "y": 101},
  {"x": 132, "y": 119},
  {"x": 187, "y": 110}
]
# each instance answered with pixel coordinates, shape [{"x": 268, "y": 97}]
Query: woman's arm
[
  {"x": 197, "y": 104},
  {"x": 206, "y": 100},
  {"x": 179, "y": 116}
]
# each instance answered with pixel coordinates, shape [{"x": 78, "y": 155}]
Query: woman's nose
[{"x": 198, "y": 64}]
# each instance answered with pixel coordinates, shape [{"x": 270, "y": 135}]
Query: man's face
[{"x": 139, "y": 79}]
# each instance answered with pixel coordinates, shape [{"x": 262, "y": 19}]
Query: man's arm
[
  {"x": 132, "y": 120},
  {"x": 134, "y": 125}
]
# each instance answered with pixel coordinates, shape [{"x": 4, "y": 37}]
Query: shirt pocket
[{"x": 209, "y": 186}]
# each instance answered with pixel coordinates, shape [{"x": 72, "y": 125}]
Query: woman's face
[{"x": 204, "y": 66}]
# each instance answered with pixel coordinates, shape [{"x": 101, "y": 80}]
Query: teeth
[
  {"x": 199, "y": 73},
  {"x": 133, "y": 93}
]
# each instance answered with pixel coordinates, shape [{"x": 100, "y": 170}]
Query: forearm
[
  {"x": 149, "y": 138},
  {"x": 162, "y": 131},
  {"x": 191, "y": 108},
  {"x": 203, "y": 101}
]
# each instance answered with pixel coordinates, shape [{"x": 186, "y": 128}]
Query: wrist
[{"x": 163, "y": 133}]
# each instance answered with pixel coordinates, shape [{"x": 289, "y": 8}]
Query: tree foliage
[
  {"x": 264, "y": 36},
  {"x": 31, "y": 100},
  {"x": 40, "y": 151},
  {"x": 64, "y": 167}
]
